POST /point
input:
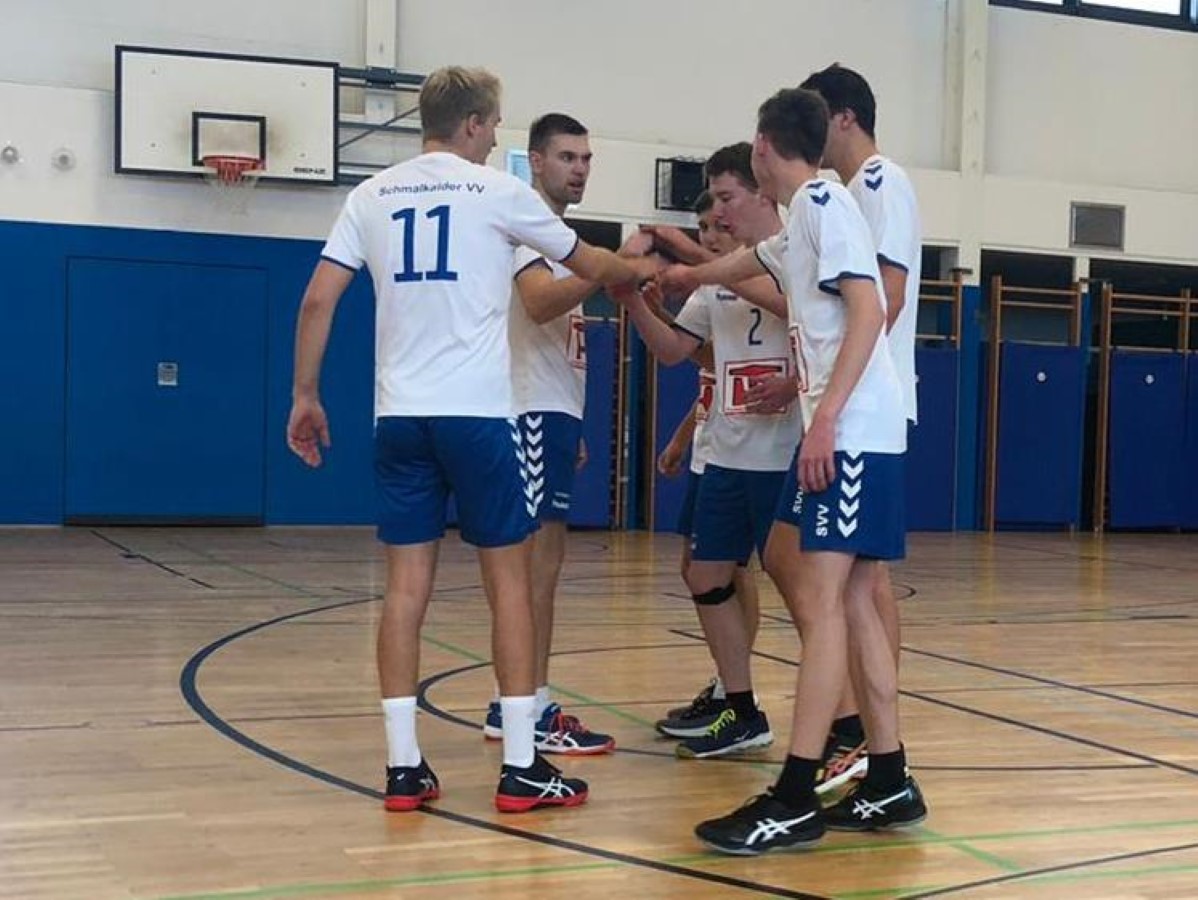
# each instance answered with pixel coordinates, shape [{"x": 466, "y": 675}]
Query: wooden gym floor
[{"x": 193, "y": 713}]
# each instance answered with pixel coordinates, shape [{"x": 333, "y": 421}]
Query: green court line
[
  {"x": 1054, "y": 878},
  {"x": 346, "y": 887},
  {"x": 980, "y": 855}
]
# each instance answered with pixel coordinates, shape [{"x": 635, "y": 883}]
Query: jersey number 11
[{"x": 442, "y": 272}]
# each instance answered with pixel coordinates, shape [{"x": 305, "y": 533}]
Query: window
[{"x": 1178, "y": 14}]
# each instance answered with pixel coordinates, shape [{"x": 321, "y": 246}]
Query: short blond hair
[{"x": 451, "y": 95}]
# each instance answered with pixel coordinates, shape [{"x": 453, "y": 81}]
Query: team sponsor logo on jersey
[
  {"x": 740, "y": 376},
  {"x": 796, "y": 355},
  {"x": 706, "y": 395},
  {"x": 576, "y": 342}
]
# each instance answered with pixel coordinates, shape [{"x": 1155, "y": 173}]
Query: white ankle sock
[
  {"x": 718, "y": 692},
  {"x": 399, "y": 715},
  {"x": 518, "y": 722}
]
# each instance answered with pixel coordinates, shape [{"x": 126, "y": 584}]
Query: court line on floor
[
  {"x": 1050, "y": 682},
  {"x": 1046, "y": 871},
  {"x": 995, "y": 717},
  {"x": 188, "y": 679}
]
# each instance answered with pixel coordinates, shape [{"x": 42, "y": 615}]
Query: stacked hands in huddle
[{"x": 676, "y": 254}]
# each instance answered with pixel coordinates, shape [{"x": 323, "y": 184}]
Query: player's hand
[
  {"x": 669, "y": 463},
  {"x": 771, "y": 394},
  {"x": 653, "y": 297},
  {"x": 679, "y": 279},
  {"x": 308, "y": 430},
  {"x": 581, "y": 459},
  {"x": 624, "y": 294},
  {"x": 817, "y": 463}
]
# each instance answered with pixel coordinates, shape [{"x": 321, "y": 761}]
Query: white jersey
[
  {"x": 749, "y": 343},
  {"x": 700, "y": 447},
  {"x": 826, "y": 239},
  {"x": 549, "y": 362},
  {"x": 438, "y": 234},
  {"x": 887, "y": 200}
]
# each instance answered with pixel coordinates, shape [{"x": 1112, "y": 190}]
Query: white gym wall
[{"x": 1065, "y": 109}]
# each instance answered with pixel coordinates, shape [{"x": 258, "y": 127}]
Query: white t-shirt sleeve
[
  {"x": 531, "y": 222},
  {"x": 890, "y": 222},
  {"x": 345, "y": 246},
  {"x": 694, "y": 318},
  {"x": 526, "y": 257},
  {"x": 843, "y": 241},
  {"x": 771, "y": 253}
]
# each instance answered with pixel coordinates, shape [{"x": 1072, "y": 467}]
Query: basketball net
[{"x": 232, "y": 177}]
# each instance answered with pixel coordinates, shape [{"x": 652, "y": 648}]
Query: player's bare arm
[
  {"x": 669, "y": 463},
  {"x": 308, "y": 427},
  {"x": 736, "y": 267},
  {"x": 894, "y": 286},
  {"x": 669, "y": 345},
  {"x": 864, "y": 321},
  {"x": 546, "y": 297}
]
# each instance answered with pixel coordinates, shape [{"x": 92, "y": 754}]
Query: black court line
[
  {"x": 193, "y": 698},
  {"x": 446, "y": 716},
  {"x": 133, "y": 554},
  {"x": 1047, "y": 870},
  {"x": 1006, "y": 720},
  {"x": 1051, "y": 682}
]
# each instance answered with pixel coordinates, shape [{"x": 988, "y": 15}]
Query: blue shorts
[
  {"x": 734, "y": 510},
  {"x": 550, "y": 444},
  {"x": 686, "y": 515},
  {"x": 861, "y": 513},
  {"x": 420, "y": 460}
]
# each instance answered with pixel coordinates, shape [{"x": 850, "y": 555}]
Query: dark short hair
[
  {"x": 845, "y": 90},
  {"x": 735, "y": 159},
  {"x": 703, "y": 203},
  {"x": 549, "y": 126},
  {"x": 795, "y": 122}
]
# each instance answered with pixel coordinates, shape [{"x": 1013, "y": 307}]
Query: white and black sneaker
[
  {"x": 865, "y": 808},
  {"x": 541, "y": 784},
  {"x": 763, "y": 824}
]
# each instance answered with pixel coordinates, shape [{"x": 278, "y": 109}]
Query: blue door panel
[{"x": 138, "y": 449}]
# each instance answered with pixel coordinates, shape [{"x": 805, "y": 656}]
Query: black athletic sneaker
[
  {"x": 763, "y": 824},
  {"x": 694, "y": 719},
  {"x": 541, "y": 784},
  {"x": 728, "y": 734},
  {"x": 408, "y": 787},
  {"x": 867, "y": 809}
]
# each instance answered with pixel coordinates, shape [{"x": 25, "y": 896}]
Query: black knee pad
[{"x": 715, "y": 596}]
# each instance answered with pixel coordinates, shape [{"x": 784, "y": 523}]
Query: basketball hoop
[{"x": 233, "y": 176}]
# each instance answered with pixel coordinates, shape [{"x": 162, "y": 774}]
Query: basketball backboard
[{"x": 174, "y": 107}]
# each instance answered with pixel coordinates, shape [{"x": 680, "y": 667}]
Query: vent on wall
[{"x": 1097, "y": 225}]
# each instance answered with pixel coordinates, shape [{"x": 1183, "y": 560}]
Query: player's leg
[
  {"x": 788, "y": 815},
  {"x": 412, "y": 497},
  {"x": 844, "y": 755},
  {"x": 723, "y": 538},
  {"x": 482, "y": 462},
  {"x": 888, "y": 797},
  {"x": 695, "y": 717}
]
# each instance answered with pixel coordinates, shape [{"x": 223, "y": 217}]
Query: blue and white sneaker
[
  {"x": 555, "y": 732},
  {"x": 728, "y": 735}
]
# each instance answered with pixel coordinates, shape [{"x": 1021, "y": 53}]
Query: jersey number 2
[
  {"x": 442, "y": 271},
  {"x": 754, "y": 340}
]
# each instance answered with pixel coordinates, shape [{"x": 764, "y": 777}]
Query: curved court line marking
[
  {"x": 1006, "y": 720},
  {"x": 1047, "y": 870},
  {"x": 445, "y": 715},
  {"x": 1051, "y": 682},
  {"x": 193, "y": 698}
]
